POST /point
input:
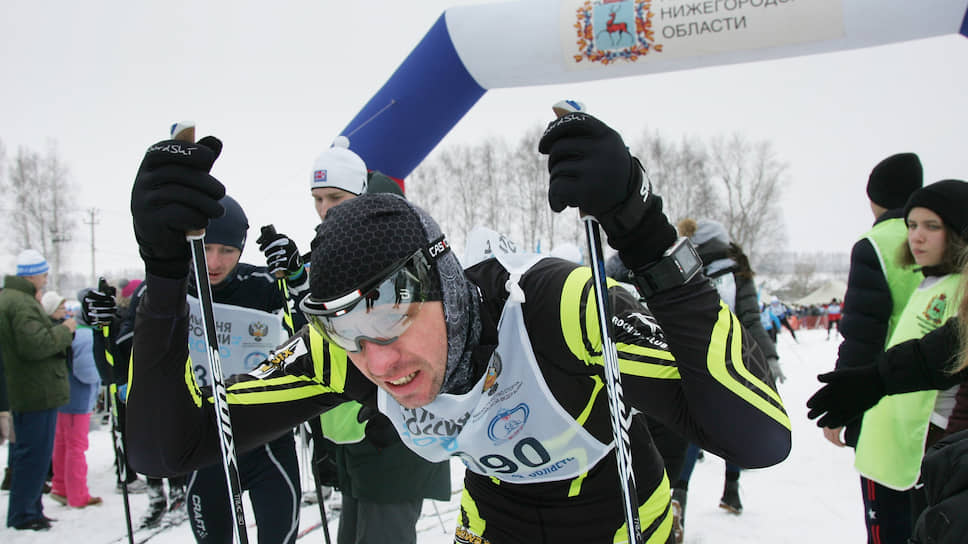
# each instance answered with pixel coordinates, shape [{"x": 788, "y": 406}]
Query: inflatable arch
[{"x": 471, "y": 49}]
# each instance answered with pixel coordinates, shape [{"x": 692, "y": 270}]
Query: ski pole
[
  {"x": 316, "y": 431},
  {"x": 620, "y": 416},
  {"x": 267, "y": 232},
  {"x": 120, "y": 458},
  {"x": 186, "y": 132}
]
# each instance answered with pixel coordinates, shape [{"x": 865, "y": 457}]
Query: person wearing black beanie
[
  {"x": 500, "y": 364},
  {"x": 949, "y": 199},
  {"x": 229, "y": 233},
  {"x": 894, "y": 179},
  {"x": 878, "y": 287},
  {"x": 245, "y": 294}
]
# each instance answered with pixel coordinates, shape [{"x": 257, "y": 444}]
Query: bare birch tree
[
  {"x": 37, "y": 190},
  {"x": 680, "y": 175},
  {"x": 751, "y": 178}
]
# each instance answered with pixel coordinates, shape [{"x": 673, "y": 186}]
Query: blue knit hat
[{"x": 31, "y": 263}]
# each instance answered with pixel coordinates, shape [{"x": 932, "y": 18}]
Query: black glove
[
  {"x": 173, "y": 193},
  {"x": 592, "y": 169},
  {"x": 282, "y": 255},
  {"x": 590, "y": 166},
  {"x": 848, "y": 394},
  {"x": 99, "y": 307}
]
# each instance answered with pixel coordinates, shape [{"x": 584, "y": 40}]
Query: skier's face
[
  {"x": 411, "y": 368},
  {"x": 325, "y": 198},
  {"x": 221, "y": 260},
  {"x": 927, "y": 237}
]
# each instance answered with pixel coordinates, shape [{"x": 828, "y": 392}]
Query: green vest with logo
[
  {"x": 893, "y": 432},
  {"x": 888, "y": 237}
]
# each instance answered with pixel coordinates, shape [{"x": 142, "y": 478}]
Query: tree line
[
  {"x": 503, "y": 185},
  {"x": 496, "y": 183}
]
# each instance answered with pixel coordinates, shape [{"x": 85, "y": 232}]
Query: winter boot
[
  {"x": 177, "y": 510},
  {"x": 157, "y": 505},
  {"x": 679, "y": 514},
  {"x": 730, "y": 500},
  {"x": 176, "y": 497}
]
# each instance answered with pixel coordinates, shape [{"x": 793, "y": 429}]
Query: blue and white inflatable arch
[{"x": 471, "y": 49}]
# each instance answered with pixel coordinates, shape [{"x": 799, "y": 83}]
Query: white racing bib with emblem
[
  {"x": 245, "y": 338},
  {"x": 508, "y": 426}
]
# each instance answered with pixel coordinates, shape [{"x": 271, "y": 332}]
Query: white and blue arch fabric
[{"x": 473, "y": 48}]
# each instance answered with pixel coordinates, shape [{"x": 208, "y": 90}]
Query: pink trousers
[{"x": 70, "y": 463}]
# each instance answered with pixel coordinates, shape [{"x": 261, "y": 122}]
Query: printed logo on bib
[
  {"x": 497, "y": 397},
  {"x": 493, "y": 371},
  {"x": 244, "y": 337},
  {"x": 258, "y": 330},
  {"x": 508, "y": 423},
  {"x": 424, "y": 429}
]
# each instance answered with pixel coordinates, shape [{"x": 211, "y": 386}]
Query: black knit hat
[
  {"x": 231, "y": 228},
  {"x": 361, "y": 238},
  {"x": 894, "y": 179},
  {"x": 947, "y": 198},
  {"x": 378, "y": 182}
]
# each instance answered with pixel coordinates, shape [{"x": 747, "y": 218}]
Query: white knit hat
[
  {"x": 31, "y": 263},
  {"x": 50, "y": 301},
  {"x": 339, "y": 167}
]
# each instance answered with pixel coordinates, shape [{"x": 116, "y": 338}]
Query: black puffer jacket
[
  {"x": 945, "y": 475},
  {"x": 867, "y": 310}
]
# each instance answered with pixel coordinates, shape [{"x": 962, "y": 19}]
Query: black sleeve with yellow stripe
[
  {"x": 686, "y": 360},
  {"x": 171, "y": 424}
]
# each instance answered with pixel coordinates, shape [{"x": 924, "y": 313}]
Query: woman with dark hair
[{"x": 906, "y": 424}]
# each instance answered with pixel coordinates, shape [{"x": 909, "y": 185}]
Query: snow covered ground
[{"x": 813, "y": 496}]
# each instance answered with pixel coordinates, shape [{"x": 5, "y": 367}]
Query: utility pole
[
  {"x": 92, "y": 213},
  {"x": 57, "y": 237}
]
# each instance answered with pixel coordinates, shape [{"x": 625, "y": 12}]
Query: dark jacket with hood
[
  {"x": 34, "y": 350},
  {"x": 720, "y": 257}
]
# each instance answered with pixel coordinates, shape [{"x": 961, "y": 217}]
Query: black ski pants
[{"x": 270, "y": 473}]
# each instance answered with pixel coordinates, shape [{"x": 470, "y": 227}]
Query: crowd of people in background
[{"x": 803, "y": 316}]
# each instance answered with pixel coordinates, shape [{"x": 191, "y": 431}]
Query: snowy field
[{"x": 813, "y": 496}]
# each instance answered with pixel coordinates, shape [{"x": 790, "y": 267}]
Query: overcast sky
[{"x": 278, "y": 81}]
